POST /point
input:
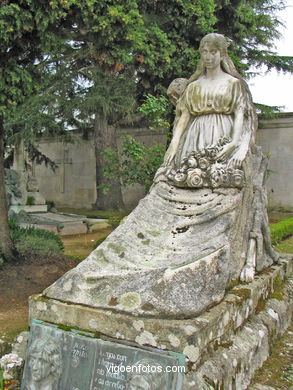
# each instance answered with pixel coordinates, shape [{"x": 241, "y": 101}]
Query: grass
[
  {"x": 281, "y": 230},
  {"x": 81, "y": 245},
  {"x": 285, "y": 246}
]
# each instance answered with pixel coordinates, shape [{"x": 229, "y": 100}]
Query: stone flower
[
  {"x": 192, "y": 162},
  {"x": 194, "y": 178},
  {"x": 212, "y": 152},
  {"x": 203, "y": 163},
  {"x": 180, "y": 177},
  {"x": 237, "y": 178},
  {"x": 215, "y": 179}
]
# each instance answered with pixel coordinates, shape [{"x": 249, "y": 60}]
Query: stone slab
[
  {"x": 62, "y": 218},
  {"x": 89, "y": 363},
  {"x": 72, "y": 228},
  {"x": 30, "y": 209}
]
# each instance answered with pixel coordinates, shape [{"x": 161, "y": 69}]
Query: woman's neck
[{"x": 214, "y": 73}]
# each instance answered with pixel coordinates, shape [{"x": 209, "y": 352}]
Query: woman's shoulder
[{"x": 232, "y": 79}]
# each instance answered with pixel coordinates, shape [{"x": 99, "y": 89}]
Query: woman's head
[{"x": 217, "y": 41}]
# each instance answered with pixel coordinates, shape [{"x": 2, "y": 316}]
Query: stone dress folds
[{"x": 212, "y": 108}]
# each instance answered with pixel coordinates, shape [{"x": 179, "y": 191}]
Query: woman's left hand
[{"x": 226, "y": 152}]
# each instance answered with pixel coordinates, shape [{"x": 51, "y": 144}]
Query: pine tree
[{"x": 88, "y": 63}]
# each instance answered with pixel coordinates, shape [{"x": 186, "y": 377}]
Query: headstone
[{"x": 74, "y": 360}]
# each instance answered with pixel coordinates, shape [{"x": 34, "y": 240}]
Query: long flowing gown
[{"x": 212, "y": 107}]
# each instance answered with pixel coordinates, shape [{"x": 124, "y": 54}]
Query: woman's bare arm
[{"x": 177, "y": 134}]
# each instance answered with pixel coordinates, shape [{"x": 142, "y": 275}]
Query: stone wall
[
  {"x": 276, "y": 139},
  {"x": 73, "y": 183}
]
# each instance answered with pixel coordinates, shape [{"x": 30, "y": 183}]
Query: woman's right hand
[{"x": 171, "y": 152}]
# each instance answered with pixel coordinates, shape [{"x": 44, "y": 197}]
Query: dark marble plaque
[{"x": 60, "y": 359}]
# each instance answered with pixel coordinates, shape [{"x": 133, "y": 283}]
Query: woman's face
[{"x": 210, "y": 56}]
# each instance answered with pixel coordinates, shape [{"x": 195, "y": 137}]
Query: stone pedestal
[{"x": 236, "y": 331}]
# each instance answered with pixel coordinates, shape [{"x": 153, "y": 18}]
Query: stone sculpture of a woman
[
  {"x": 203, "y": 224},
  {"x": 215, "y": 105}
]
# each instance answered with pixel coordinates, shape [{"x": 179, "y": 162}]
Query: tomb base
[{"x": 223, "y": 346}]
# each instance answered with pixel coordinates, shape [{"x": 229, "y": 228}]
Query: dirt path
[
  {"x": 19, "y": 281},
  {"x": 33, "y": 275}
]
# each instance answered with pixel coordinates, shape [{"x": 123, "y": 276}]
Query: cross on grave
[{"x": 61, "y": 165}]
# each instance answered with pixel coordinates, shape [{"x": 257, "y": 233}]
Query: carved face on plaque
[{"x": 45, "y": 364}]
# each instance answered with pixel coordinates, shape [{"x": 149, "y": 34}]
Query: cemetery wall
[
  {"x": 73, "y": 182},
  {"x": 276, "y": 139}
]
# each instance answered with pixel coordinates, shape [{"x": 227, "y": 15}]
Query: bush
[
  {"x": 281, "y": 230},
  {"x": 35, "y": 240},
  {"x": 30, "y": 200}
]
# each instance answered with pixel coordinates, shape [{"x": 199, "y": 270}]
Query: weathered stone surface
[
  {"x": 176, "y": 253},
  {"x": 204, "y": 332},
  {"x": 224, "y": 345},
  {"x": 19, "y": 347}
]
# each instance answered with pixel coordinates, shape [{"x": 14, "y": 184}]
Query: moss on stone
[
  {"x": 260, "y": 305},
  {"x": 277, "y": 371},
  {"x": 130, "y": 300},
  {"x": 146, "y": 242},
  {"x": 117, "y": 248},
  {"x": 278, "y": 289},
  {"x": 101, "y": 256},
  {"x": 153, "y": 233},
  {"x": 244, "y": 293}
]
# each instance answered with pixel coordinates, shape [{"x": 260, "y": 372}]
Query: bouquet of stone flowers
[{"x": 201, "y": 169}]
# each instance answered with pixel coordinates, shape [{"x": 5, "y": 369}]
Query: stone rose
[
  {"x": 203, "y": 163},
  {"x": 192, "y": 162},
  {"x": 194, "y": 178},
  {"x": 180, "y": 177}
]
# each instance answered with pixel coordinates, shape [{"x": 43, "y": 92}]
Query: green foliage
[
  {"x": 139, "y": 163},
  {"x": 281, "y": 230},
  {"x": 156, "y": 110},
  {"x": 30, "y": 200},
  {"x": 268, "y": 112},
  {"x": 34, "y": 240}
]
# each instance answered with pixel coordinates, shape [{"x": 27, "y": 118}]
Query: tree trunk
[
  {"x": 105, "y": 137},
  {"x": 7, "y": 249}
]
